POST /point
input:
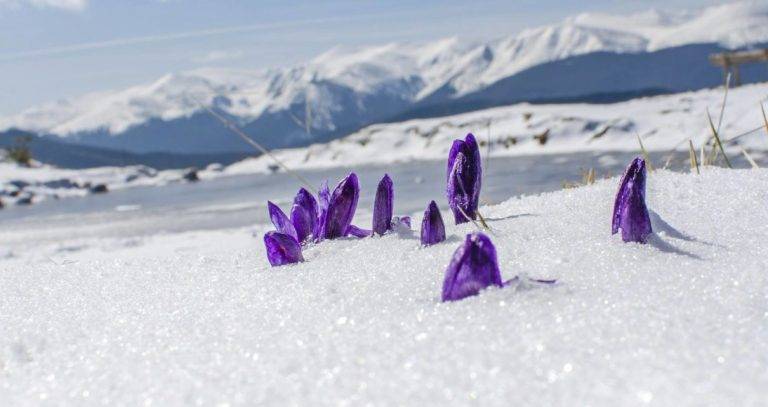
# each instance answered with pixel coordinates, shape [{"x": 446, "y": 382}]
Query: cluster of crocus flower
[
  {"x": 630, "y": 214},
  {"x": 328, "y": 217},
  {"x": 310, "y": 220},
  {"x": 474, "y": 265}
]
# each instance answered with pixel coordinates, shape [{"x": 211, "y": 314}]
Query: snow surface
[
  {"x": 200, "y": 318},
  {"x": 414, "y": 71},
  {"x": 664, "y": 122}
]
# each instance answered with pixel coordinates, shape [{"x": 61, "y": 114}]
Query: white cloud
[{"x": 71, "y": 5}]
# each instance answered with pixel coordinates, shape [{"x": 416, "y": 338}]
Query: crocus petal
[
  {"x": 474, "y": 266},
  {"x": 458, "y": 199},
  {"x": 282, "y": 249},
  {"x": 456, "y": 148},
  {"x": 342, "y": 206},
  {"x": 324, "y": 198},
  {"x": 464, "y": 178},
  {"x": 476, "y": 168},
  {"x": 355, "y": 231},
  {"x": 383, "y": 206},
  {"x": 432, "y": 226},
  {"x": 630, "y": 213},
  {"x": 281, "y": 221},
  {"x": 304, "y": 214}
]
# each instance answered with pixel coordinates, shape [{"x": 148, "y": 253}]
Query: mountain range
[{"x": 588, "y": 57}]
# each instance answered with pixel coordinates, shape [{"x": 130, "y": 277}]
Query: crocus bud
[
  {"x": 323, "y": 200},
  {"x": 282, "y": 249},
  {"x": 473, "y": 267},
  {"x": 629, "y": 211},
  {"x": 281, "y": 221},
  {"x": 464, "y": 179},
  {"x": 383, "y": 206},
  {"x": 432, "y": 226},
  {"x": 304, "y": 214},
  {"x": 341, "y": 207}
]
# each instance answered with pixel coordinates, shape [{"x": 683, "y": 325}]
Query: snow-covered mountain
[
  {"x": 343, "y": 90},
  {"x": 665, "y": 123}
]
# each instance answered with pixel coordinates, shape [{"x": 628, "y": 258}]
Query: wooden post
[{"x": 730, "y": 61}]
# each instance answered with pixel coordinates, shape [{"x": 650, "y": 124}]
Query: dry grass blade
[
  {"x": 692, "y": 152},
  {"x": 725, "y": 101},
  {"x": 232, "y": 127},
  {"x": 477, "y": 225},
  {"x": 746, "y": 133},
  {"x": 647, "y": 158},
  {"x": 591, "y": 176},
  {"x": 765, "y": 119},
  {"x": 749, "y": 158},
  {"x": 717, "y": 139},
  {"x": 488, "y": 150},
  {"x": 482, "y": 220}
]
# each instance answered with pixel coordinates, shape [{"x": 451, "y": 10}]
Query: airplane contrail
[{"x": 120, "y": 42}]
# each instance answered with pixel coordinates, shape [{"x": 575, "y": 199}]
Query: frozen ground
[{"x": 198, "y": 317}]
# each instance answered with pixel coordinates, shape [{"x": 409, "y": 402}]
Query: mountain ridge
[{"x": 345, "y": 89}]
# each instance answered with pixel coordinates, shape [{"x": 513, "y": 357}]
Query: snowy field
[{"x": 199, "y": 317}]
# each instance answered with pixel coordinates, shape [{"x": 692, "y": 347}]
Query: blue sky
[{"x": 51, "y": 49}]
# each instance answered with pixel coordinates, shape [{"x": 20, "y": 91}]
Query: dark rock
[
  {"x": 25, "y": 200},
  {"x": 190, "y": 175},
  {"x": 64, "y": 183},
  {"x": 19, "y": 183},
  {"x": 99, "y": 189}
]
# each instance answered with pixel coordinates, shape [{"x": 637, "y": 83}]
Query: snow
[
  {"x": 413, "y": 71},
  {"x": 665, "y": 123},
  {"x": 200, "y": 318}
]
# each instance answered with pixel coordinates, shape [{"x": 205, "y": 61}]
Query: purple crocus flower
[
  {"x": 473, "y": 267},
  {"x": 464, "y": 178},
  {"x": 281, "y": 221},
  {"x": 304, "y": 214},
  {"x": 282, "y": 249},
  {"x": 432, "y": 226},
  {"x": 341, "y": 206},
  {"x": 629, "y": 211},
  {"x": 383, "y": 206}
]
